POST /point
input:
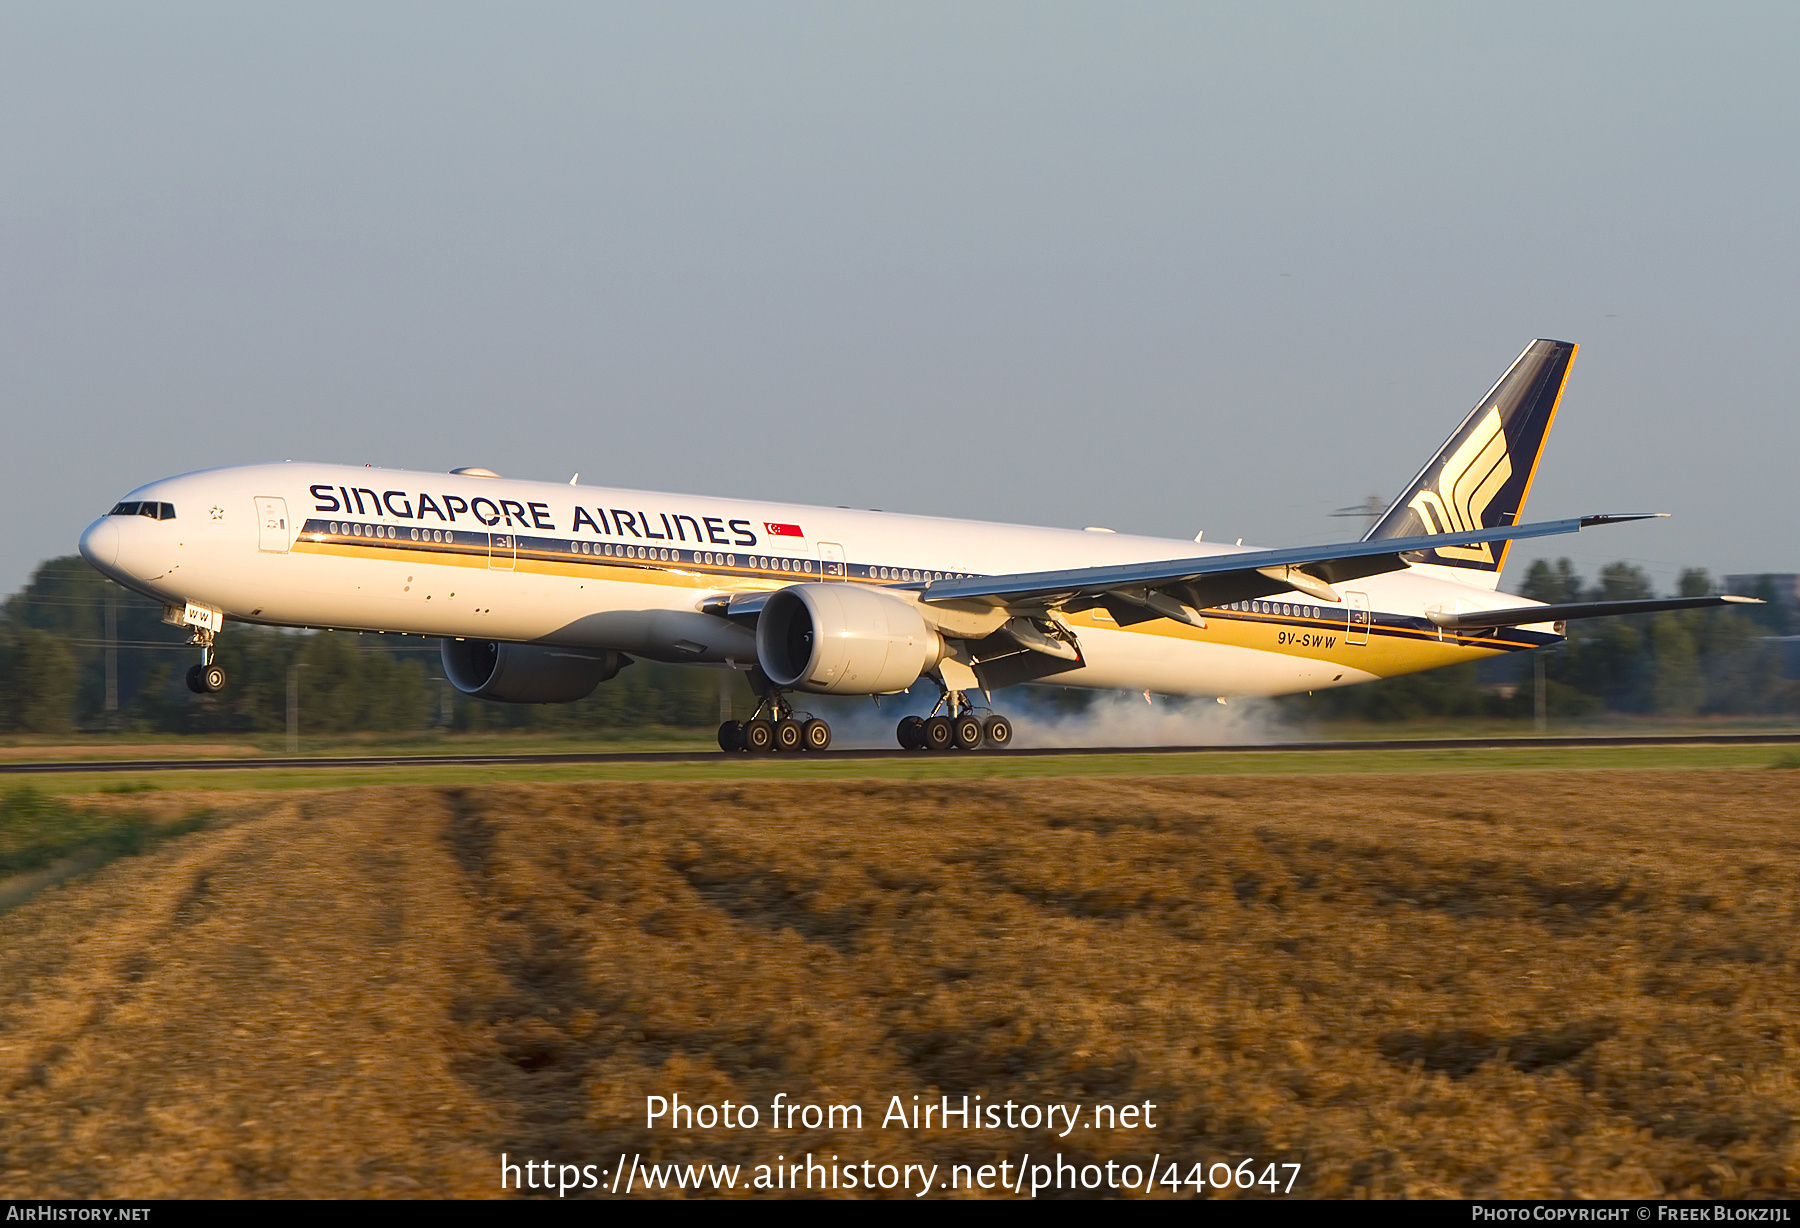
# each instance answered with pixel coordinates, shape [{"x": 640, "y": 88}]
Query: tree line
[
  {"x": 1725, "y": 661},
  {"x": 55, "y": 674}
]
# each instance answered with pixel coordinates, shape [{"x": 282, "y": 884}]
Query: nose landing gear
[
  {"x": 205, "y": 679},
  {"x": 208, "y": 677},
  {"x": 953, "y": 724}
]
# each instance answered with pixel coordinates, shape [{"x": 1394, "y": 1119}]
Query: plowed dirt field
[{"x": 1578, "y": 984}]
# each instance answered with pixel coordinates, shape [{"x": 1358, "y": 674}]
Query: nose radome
[{"x": 100, "y": 544}]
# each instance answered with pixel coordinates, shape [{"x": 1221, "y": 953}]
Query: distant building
[
  {"x": 1781, "y": 616},
  {"x": 1790, "y": 653}
]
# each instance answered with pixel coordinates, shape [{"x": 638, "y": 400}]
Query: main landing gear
[
  {"x": 953, "y": 725},
  {"x": 208, "y": 677},
  {"x": 775, "y": 727}
]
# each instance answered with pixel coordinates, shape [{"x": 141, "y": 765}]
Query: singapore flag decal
[{"x": 783, "y": 530}]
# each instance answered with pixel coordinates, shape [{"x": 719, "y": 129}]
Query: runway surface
[{"x": 704, "y": 755}]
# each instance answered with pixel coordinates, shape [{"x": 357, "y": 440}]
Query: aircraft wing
[
  {"x": 1180, "y": 588},
  {"x": 1519, "y": 616}
]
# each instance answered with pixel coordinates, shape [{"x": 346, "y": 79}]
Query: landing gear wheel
[
  {"x": 759, "y": 736},
  {"x": 998, "y": 731},
  {"x": 911, "y": 732},
  {"x": 731, "y": 736},
  {"x": 815, "y": 735},
  {"x": 787, "y": 736},
  {"x": 193, "y": 680},
  {"x": 212, "y": 679},
  {"x": 968, "y": 733},
  {"x": 940, "y": 734}
]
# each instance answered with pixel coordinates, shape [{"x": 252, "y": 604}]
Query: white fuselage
[{"x": 446, "y": 555}]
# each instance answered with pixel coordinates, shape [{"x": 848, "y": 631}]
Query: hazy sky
[{"x": 1158, "y": 267}]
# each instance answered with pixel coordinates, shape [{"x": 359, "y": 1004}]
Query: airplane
[{"x": 539, "y": 592}]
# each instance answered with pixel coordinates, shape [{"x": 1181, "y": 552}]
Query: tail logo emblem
[{"x": 1467, "y": 483}]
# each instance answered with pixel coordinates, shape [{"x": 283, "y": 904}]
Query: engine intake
[
  {"x": 527, "y": 673},
  {"x": 843, "y": 639}
]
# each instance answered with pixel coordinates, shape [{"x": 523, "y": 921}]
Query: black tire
[
  {"x": 911, "y": 732},
  {"x": 212, "y": 679},
  {"x": 968, "y": 733},
  {"x": 788, "y": 738},
  {"x": 998, "y": 731},
  {"x": 731, "y": 736},
  {"x": 940, "y": 734},
  {"x": 815, "y": 735},
  {"x": 193, "y": 680},
  {"x": 759, "y": 737}
]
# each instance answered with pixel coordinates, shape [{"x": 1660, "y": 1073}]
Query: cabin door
[
  {"x": 1357, "y": 607},
  {"x": 271, "y": 525},
  {"x": 503, "y": 551}
]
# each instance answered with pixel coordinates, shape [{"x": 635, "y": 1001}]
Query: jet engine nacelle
[
  {"x": 844, "y": 639},
  {"x": 527, "y": 673}
]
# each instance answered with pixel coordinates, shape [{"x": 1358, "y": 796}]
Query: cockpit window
[{"x": 155, "y": 511}]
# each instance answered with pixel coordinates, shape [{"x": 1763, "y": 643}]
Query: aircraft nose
[{"x": 100, "y": 544}]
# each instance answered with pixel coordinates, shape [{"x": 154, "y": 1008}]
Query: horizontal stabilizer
[{"x": 1521, "y": 616}]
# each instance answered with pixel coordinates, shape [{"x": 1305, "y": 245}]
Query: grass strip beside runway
[{"x": 922, "y": 767}]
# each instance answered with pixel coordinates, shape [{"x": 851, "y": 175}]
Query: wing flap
[{"x": 1214, "y": 580}]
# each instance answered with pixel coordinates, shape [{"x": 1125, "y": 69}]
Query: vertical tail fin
[{"x": 1480, "y": 477}]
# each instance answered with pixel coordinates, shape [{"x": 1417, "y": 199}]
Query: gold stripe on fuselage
[
  {"x": 1391, "y": 650},
  {"x": 586, "y": 567}
]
